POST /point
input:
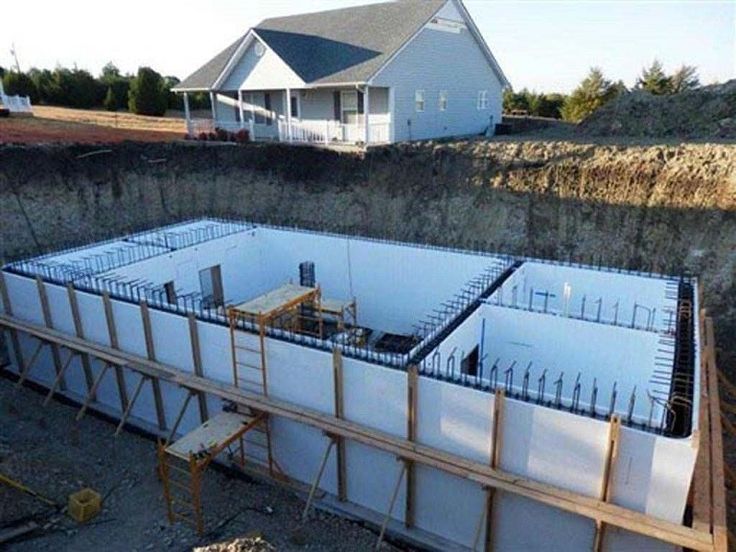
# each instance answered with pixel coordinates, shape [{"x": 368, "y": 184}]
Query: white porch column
[
  {"x": 391, "y": 115},
  {"x": 288, "y": 115},
  {"x": 187, "y": 114},
  {"x": 240, "y": 108},
  {"x": 366, "y": 111},
  {"x": 214, "y": 107}
]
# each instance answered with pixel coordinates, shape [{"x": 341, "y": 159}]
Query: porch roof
[{"x": 347, "y": 45}]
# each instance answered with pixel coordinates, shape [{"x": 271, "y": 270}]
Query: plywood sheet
[{"x": 212, "y": 434}]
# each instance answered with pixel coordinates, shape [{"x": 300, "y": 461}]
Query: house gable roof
[{"x": 340, "y": 46}]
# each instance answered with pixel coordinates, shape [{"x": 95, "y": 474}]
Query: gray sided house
[{"x": 380, "y": 73}]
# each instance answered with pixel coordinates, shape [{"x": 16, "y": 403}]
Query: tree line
[
  {"x": 145, "y": 93},
  {"x": 595, "y": 90}
]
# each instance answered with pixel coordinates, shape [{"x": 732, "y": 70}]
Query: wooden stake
[
  {"x": 49, "y": 321},
  {"x": 25, "y": 371},
  {"x": 614, "y": 429},
  {"x": 128, "y": 410},
  {"x": 92, "y": 392},
  {"x": 8, "y": 308},
  {"x": 79, "y": 330},
  {"x": 342, "y": 477},
  {"x": 197, "y": 360},
  {"x": 315, "y": 483},
  {"x": 411, "y": 435},
  {"x": 495, "y": 461},
  {"x": 59, "y": 377},
  {"x": 151, "y": 353},
  {"x": 113, "y": 333},
  {"x": 180, "y": 417}
]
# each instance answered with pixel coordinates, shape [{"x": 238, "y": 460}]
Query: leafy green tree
[
  {"x": 654, "y": 80},
  {"x": 592, "y": 93},
  {"x": 513, "y": 101},
  {"x": 147, "y": 95},
  {"x": 685, "y": 78},
  {"x": 110, "y": 73},
  {"x": 20, "y": 84},
  {"x": 549, "y": 105},
  {"x": 173, "y": 100}
]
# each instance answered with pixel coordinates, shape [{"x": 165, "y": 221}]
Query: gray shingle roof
[
  {"x": 335, "y": 46},
  {"x": 345, "y": 45},
  {"x": 204, "y": 77}
]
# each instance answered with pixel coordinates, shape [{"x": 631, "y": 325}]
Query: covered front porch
[{"x": 347, "y": 115}]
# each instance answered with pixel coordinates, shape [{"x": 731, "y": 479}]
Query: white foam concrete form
[{"x": 545, "y": 444}]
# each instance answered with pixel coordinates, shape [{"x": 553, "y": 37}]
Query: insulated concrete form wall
[{"x": 651, "y": 475}]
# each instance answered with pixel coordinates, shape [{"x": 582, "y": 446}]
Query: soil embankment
[{"x": 662, "y": 208}]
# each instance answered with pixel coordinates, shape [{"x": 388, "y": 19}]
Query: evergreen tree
[
  {"x": 147, "y": 95},
  {"x": 654, "y": 80},
  {"x": 111, "y": 101},
  {"x": 20, "y": 84},
  {"x": 593, "y": 92}
]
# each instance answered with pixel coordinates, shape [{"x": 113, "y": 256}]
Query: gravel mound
[{"x": 705, "y": 113}]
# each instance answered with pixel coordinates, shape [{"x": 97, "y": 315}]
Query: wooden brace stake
[
  {"x": 92, "y": 392},
  {"x": 31, "y": 361},
  {"x": 317, "y": 479},
  {"x": 59, "y": 377},
  {"x": 128, "y": 410},
  {"x": 391, "y": 504},
  {"x": 179, "y": 418}
]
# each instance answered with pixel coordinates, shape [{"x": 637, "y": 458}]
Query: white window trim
[
  {"x": 443, "y": 101},
  {"x": 482, "y": 103},
  {"x": 417, "y": 101}
]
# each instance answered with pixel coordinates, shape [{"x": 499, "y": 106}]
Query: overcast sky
[{"x": 543, "y": 45}]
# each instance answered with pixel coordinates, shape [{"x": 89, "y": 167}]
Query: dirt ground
[
  {"x": 46, "y": 450},
  {"x": 81, "y": 126}
]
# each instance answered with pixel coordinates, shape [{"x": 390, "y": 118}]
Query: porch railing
[
  {"x": 195, "y": 127},
  {"x": 328, "y": 132},
  {"x": 16, "y": 104},
  {"x": 303, "y": 132}
]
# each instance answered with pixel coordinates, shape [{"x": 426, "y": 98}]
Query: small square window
[
  {"x": 443, "y": 100},
  {"x": 483, "y": 99},
  {"x": 419, "y": 100}
]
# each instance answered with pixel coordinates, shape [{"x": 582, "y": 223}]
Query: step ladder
[{"x": 182, "y": 463}]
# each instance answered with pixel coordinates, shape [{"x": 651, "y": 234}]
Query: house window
[
  {"x": 469, "y": 364},
  {"x": 294, "y": 106},
  {"x": 419, "y": 101},
  {"x": 443, "y": 100},
  {"x": 349, "y": 107},
  {"x": 483, "y": 99}
]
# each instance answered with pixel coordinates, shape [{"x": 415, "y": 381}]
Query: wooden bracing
[{"x": 708, "y": 533}]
